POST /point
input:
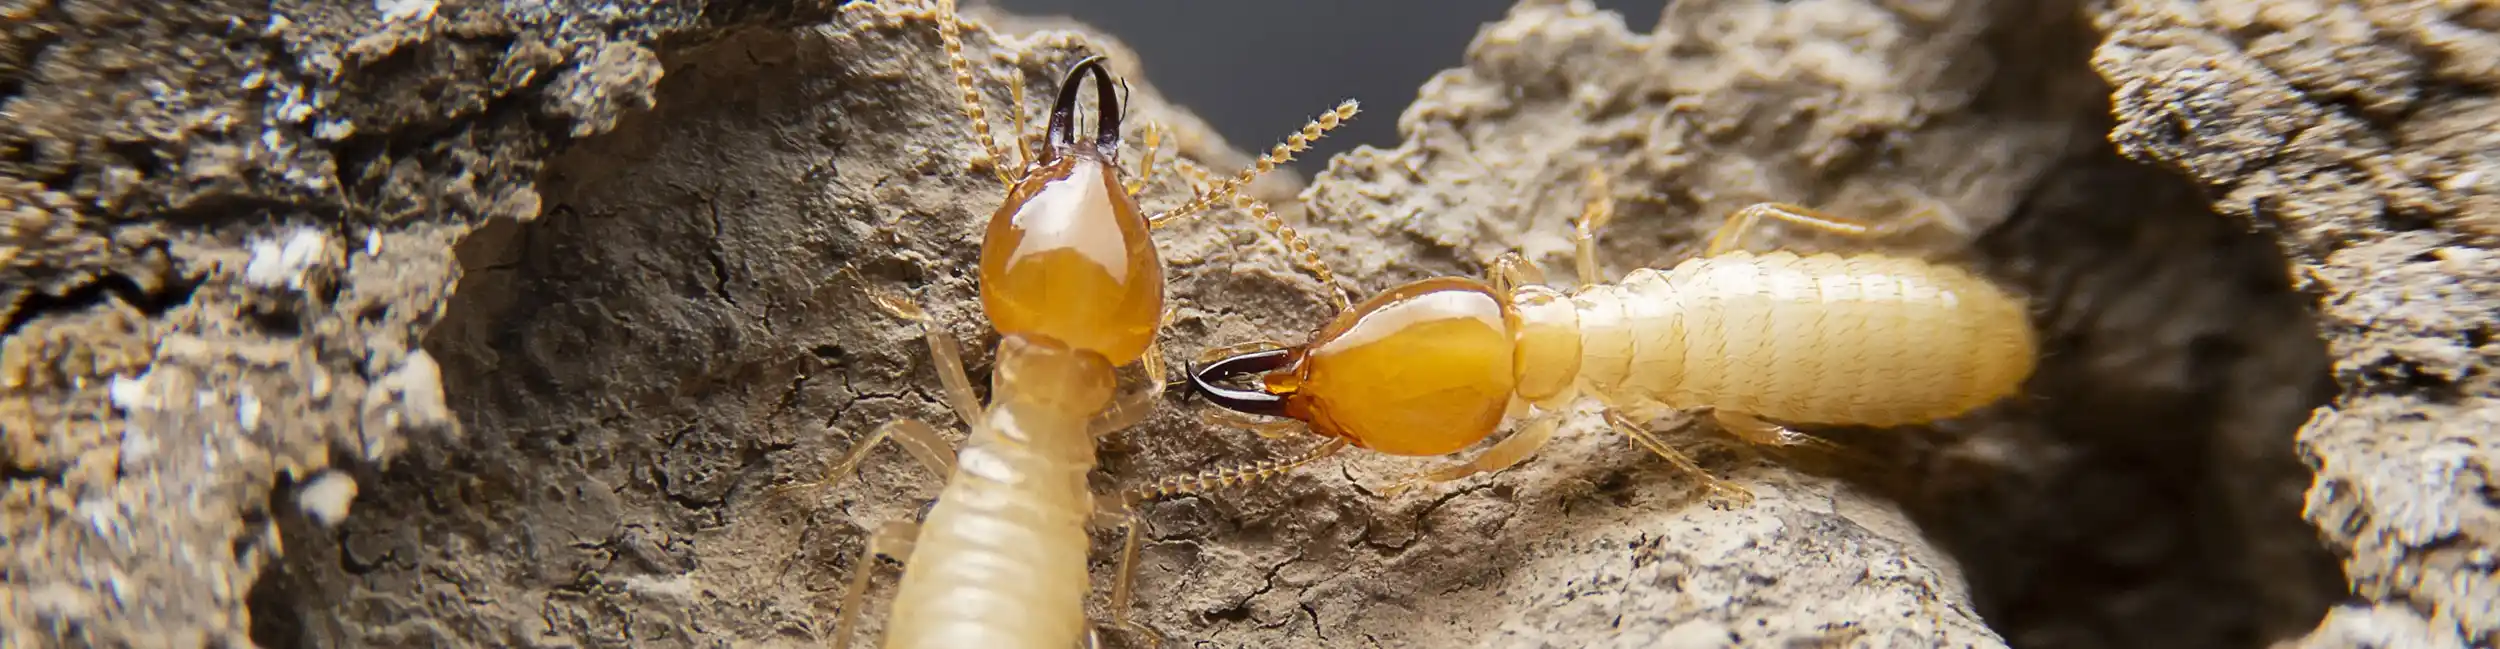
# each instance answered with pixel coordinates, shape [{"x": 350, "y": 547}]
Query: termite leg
[
  {"x": 1133, "y": 407},
  {"x": 1753, "y": 430},
  {"x": 1504, "y": 454},
  {"x": 946, "y": 354},
  {"x": 922, "y": 442},
  {"x": 1731, "y": 233},
  {"x": 895, "y": 540},
  {"x": 1640, "y": 435},
  {"x": 1511, "y": 271},
  {"x": 950, "y": 32},
  {"x": 1124, "y": 580},
  {"x": 1594, "y": 214},
  {"x": 1652, "y": 411}
]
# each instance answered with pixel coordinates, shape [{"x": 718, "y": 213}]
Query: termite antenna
[
  {"x": 1211, "y": 381},
  {"x": 1282, "y": 153},
  {"x": 1293, "y": 243},
  {"x": 1062, "y": 131},
  {"x": 1233, "y": 476}
]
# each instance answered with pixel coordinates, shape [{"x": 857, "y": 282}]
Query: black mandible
[{"x": 1062, "y": 131}]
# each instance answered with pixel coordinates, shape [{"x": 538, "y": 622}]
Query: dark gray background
[{"x": 1258, "y": 69}]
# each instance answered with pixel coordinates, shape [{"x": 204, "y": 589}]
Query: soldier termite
[
  {"x": 1434, "y": 366},
  {"x": 1071, "y": 280}
]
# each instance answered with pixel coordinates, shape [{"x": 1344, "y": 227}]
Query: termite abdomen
[{"x": 1864, "y": 339}]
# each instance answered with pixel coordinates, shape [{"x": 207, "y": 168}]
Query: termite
[
  {"x": 1760, "y": 341},
  {"x": 1070, "y": 279}
]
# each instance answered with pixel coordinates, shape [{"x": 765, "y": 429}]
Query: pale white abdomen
[
  {"x": 1000, "y": 561},
  {"x": 1864, "y": 339}
]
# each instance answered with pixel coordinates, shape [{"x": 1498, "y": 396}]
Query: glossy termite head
[
  {"x": 1067, "y": 256},
  {"x": 1427, "y": 368}
]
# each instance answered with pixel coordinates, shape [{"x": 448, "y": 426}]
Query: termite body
[
  {"x": 1759, "y": 340},
  {"x": 999, "y": 559},
  {"x": 1071, "y": 280}
]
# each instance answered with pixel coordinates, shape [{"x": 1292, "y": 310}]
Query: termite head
[
  {"x": 1423, "y": 369},
  {"x": 1067, "y": 256}
]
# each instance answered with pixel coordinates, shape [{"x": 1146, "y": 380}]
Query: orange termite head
[
  {"x": 1067, "y": 256},
  {"x": 1423, "y": 369}
]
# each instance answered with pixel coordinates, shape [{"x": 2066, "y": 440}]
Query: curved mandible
[
  {"x": 1257, "y": 402},
  {"x": 1062, "y": 131}
]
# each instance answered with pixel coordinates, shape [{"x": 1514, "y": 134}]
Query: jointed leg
[
  {"x": 1751, "y": 437},
  {"x": 1599, "y": 209},
  {"x": 1730, "y": 233},
  {"x": 1640, "y": 435},
  {"x": 894, "y": 539},
  {"x": 922, "y": 442},
  {"x": 950, "y": 31},
  {"x": 946, "y": 355},
  {"x": 1753, "y": 430},
  {"x": 1504, "y": 454},
  {"x": 1123, "y": 582},
  {"x": 1132, "y": 407}
]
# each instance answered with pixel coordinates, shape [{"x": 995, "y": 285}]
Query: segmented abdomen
[
  {"x": 1001, "y": 559},
  {"x": 1866, "y": 339}
]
